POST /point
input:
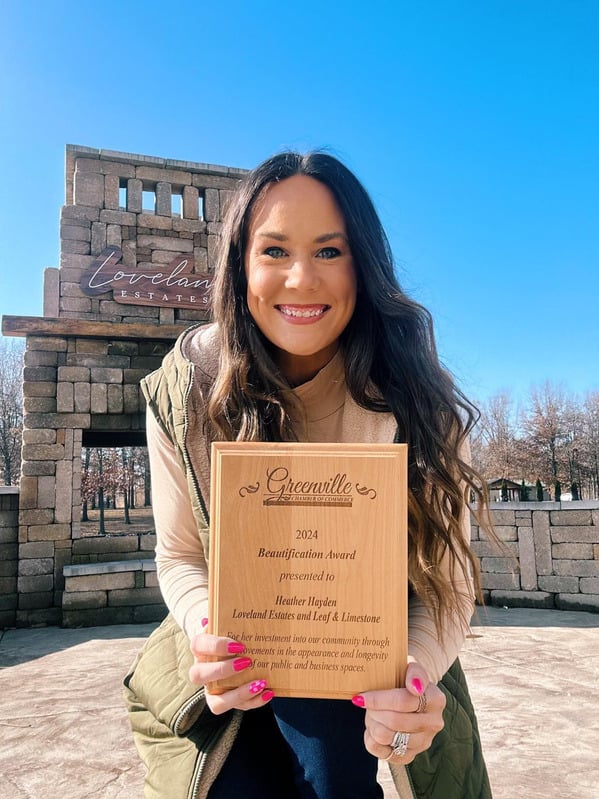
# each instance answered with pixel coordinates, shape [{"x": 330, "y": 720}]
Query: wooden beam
[{"x": 45, "y": 326}]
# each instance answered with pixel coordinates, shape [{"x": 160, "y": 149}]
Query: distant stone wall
[
  {"x": 551, "y": 556},
  {"x": 9, "y": 554}
]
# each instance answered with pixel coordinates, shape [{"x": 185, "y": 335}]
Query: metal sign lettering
[{"x": 172, "y": 286}]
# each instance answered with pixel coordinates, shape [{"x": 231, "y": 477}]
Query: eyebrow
[{"x": 271, "y": 234}]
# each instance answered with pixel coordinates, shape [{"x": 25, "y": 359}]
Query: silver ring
[
  {"x": 399, "y": 744},
  {"x": 422, "y": 702}
]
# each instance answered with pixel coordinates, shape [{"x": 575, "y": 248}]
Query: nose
[{"x": 302, "y": 275}]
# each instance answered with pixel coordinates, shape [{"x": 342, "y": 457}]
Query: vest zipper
[
  {"x": 184, "y": 711},
  {"x": 209, "y": 745},
  {"x": 409, "y": 776},
  {"x": 198, "y": 495},
  {"x": 199, "y": 770}
]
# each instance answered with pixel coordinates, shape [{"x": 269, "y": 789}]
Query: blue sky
[{"x": 474, "y": 125}]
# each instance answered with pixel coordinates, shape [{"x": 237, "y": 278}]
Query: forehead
[{"x": 298, "y": 202}]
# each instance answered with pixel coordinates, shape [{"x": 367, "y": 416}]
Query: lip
[{"x": 302, "y": 314}]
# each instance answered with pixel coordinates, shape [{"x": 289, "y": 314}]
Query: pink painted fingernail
[
  {"x": 204, "y": 622},
  {"x": 257, "y": 686},
  {"x": 241, "y": 663},
  {"x": 358, "y": 701},
  {"x": 234, "y": 648},
  {"x": 417, "y": 686},
  {"x": 267, "y": 695}
]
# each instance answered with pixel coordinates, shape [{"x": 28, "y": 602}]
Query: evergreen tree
[{"x": 539, "y": 487}]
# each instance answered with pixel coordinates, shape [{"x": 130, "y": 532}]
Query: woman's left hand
[{"x": 416, "y": 710}]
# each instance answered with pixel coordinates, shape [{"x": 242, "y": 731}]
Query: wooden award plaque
[{"x": 308, "y": 564}]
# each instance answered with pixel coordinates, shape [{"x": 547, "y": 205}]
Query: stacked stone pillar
[
  {"x": 49, "y": 484},
  {"x": 85, "y": 358}
]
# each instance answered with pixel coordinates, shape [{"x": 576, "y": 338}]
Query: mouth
[{"x": 303, "y": 311}]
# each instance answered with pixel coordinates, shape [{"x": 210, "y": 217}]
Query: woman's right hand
[{"x": 218, "y": 658}]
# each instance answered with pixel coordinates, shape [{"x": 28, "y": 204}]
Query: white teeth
[{"x": 303, "y": 314}]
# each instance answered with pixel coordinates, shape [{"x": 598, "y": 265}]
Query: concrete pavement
[{"x": 533, "y": 674}]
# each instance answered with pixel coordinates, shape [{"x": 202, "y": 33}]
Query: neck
[{"x": 298, "y": 369}]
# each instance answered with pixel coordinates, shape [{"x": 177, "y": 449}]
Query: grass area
[{"x": 141, "y": 522}]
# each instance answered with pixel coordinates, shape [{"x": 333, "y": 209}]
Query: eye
[
  {"x": 275, "y": 252},
  {"x": 328, "y": 252}
]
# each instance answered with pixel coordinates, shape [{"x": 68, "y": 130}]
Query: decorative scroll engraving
[
  {"x": 251, "y": 489},
  {"x": 366, "y": 492}
]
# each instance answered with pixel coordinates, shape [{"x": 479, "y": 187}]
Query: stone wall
[
  {"x": 105, "y": 548},
  {"x": 118, "y": 592},
  {"x": 551, "y": 556},
  {"x": 9, "y": 565},
  {"x": 111, "y": 580}
]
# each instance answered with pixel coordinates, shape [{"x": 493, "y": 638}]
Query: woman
[{"x": 313, "y": 340}]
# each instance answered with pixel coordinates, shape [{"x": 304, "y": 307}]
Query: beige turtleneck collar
[
  {"x": 322, "y": 399},
  {"x": 331, "y": 415}
]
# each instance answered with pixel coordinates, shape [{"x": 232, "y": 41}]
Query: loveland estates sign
[{"x": 174, "y": 286}]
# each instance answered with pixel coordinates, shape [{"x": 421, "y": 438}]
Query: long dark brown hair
[{"x": 391, "y": 364}]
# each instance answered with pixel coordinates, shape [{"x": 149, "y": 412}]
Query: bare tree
[
  {"x": 110, "y": 473},
  {"x": 11, "y": 410},
  {"x": 145, "y": 460},
  {"x": 555, "y": 438},
  {"x": 85, "y": 481},
  {"x": 548, "y": 432},
  {"x": 100, "y": 479},
  {"x": 495, "y": 443},
  {"x": 585, "y": 459},
  {"x": 126, "y": 481}
]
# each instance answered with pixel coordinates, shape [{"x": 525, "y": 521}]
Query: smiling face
[{"x": 301, "y": 283}]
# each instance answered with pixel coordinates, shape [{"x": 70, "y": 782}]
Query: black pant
[{"x": 300, "y": 749}]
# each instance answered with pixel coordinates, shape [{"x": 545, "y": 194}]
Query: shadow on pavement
[
  {"x": 533, "y": 617},
  {"x": 23, "y": 645}
]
